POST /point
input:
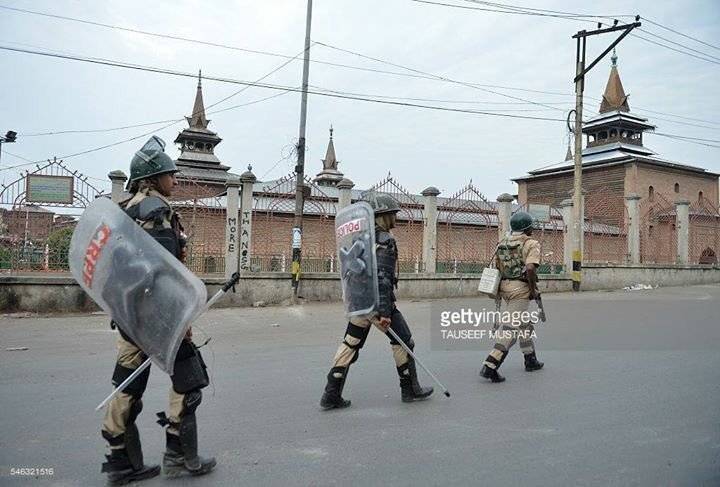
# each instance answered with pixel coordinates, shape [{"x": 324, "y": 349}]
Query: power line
[
  {"x": 268, "y": 86},
  {"x": 443, "y": 78},
  {"x": 680, "y": 45},
  {"x": 173, "y": 122},
  {"x": 680, "y": 33},
  {"x": 516, "y": 10},
  {"x": 672, "y": 48},
  {"x": 253, "y": 51},
  {"x": 276, "y": 87},
  {"x": 195, "y": 41}
]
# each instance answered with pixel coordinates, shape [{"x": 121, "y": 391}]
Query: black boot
[
  {"x": 491, "y": 374},
  {"x": 120, "y": 470},
  {"x": 332, "y": 397},
  {"x": 126, "y": 464},
  {"x": 531, "y": 362},
  {"x": 410, "y": 388},
  {"x": 181, "y": 457}
]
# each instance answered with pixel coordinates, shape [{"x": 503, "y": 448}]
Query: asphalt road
[{"x": 630, "y": 395}]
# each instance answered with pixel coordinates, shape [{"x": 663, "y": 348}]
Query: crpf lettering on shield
[
  {"x": 350, "y": 227},
  {"x": 92, "y": 254}
]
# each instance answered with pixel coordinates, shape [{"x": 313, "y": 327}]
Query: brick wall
[{"x": 663, "y": 181}]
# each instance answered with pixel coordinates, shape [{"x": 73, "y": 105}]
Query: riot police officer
[
  {"x": 385, "y": 209},
  {"x": 152, "y": 179},
  {"x": 517, "y": 258}
]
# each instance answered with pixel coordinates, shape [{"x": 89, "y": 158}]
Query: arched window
[
  {"x": 700, "y": 196},
  {"x": 651, "y": 193},
  {"x": 677, "y": 187}
]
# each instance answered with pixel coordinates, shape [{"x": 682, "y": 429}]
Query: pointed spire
[
  {"x": 330, "y": 161},
  {"x": 614, "y": 98},
  {"x": 198, "y": 118}
]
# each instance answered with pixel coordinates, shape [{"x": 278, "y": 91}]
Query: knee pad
[
  {"x": 190, "y": 371},
  {"x": 137, "y": 387},
  {"x": 359, "y": 333},
  {"x": 136, "y": 407},
  {"x": 191, "y": 401}
]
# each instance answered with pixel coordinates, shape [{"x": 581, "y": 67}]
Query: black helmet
[
  {"x": 151, "y": 161},
  {"x": 383, "y": 203},
  {"x": 521, "y": 221}
]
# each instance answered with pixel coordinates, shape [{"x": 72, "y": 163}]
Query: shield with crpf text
[
  {"x": 355, "y": 237},
  {"x": 145, "y": 289}
]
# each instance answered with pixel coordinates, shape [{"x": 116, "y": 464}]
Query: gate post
[
  {"x": 118, "y": 179},
  {"x": 682, "y": 229},
  {"x": 504, "y": 210},
  {"x": 231, "y": 225},
  {"x": 633, "y": 228},
  {"x": 345, "y": 198},
  {"x": 430, "y": 229},
  {"x": 247, "y": 179}
]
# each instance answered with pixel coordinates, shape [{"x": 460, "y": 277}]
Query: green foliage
[
  {"x": 59, "y": 248},
  {"x": 5, "y": 258}
]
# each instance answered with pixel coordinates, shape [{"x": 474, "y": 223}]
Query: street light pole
[{"x": 580, "y": 72}]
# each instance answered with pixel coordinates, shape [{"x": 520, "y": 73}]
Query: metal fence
[
  {"x": 273, "y": 221},
  {"x": 408, "y": 229},
  {"x": 202, "y": 210},
  {"x": 549, "y": 231},
  {"x": 658, "y": 239},
  {"x": 605, "y": 229},
  {"x": 704, "y": 241},
  {"x": 467, "y": 232},
  {"x": 34, "y": 236}
]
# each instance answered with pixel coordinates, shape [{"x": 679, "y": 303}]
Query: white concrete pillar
[
  {"x": 345, "y": 198},
  {"x": 566, "y": 208},
  {"x": 504, "y": 210},
  {"x": 232, "y": 226},
  {"x": 247, "y": 179},
  {"x": 682, "y": 228},
  {"x": 430, "y": 214},
  {"x": 118, "y": 179},
  {"x": 632, "y": 203}
]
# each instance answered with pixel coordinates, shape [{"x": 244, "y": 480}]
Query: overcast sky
[{"x": 419, "y": 147}]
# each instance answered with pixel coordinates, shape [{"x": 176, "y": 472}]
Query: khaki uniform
[
  {"x": 126, "y": 406},
  {"x": 516, "y": 294}
]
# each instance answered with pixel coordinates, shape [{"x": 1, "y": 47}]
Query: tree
[{"x": 59, "y": 248}]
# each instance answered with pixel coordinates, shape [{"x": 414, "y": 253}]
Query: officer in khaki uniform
[
  {"x": 388, "y": 316},
  {"x": 152, "y": 179},
  {"x": 517, "y": 258}
]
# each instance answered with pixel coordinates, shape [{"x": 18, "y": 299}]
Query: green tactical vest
[{"x": 510, "y": 255}]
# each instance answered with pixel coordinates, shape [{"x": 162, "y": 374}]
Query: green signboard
[{"x": 49, "y": 189}]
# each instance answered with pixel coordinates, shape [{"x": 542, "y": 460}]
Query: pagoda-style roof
[
  {"x": 197, "y": 143},
  {"x": 329, "y": 176}
]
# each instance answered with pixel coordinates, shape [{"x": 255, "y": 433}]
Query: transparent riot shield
[
  {"x": 146, "y": 290},
  {"x": 355, "y": 237}
]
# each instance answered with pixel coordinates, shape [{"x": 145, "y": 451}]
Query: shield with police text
[
  {"x": 355, "y": 237},
  {"x": 145, "y": 289}
]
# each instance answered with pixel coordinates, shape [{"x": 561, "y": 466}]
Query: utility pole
[
  {"x": 580, "y": 72},
  {"x": 300, "y": 168}
]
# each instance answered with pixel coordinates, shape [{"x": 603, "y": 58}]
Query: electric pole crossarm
[
  {"x": 585, "y": 33},
  {"x": 627, "y": 28}
]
